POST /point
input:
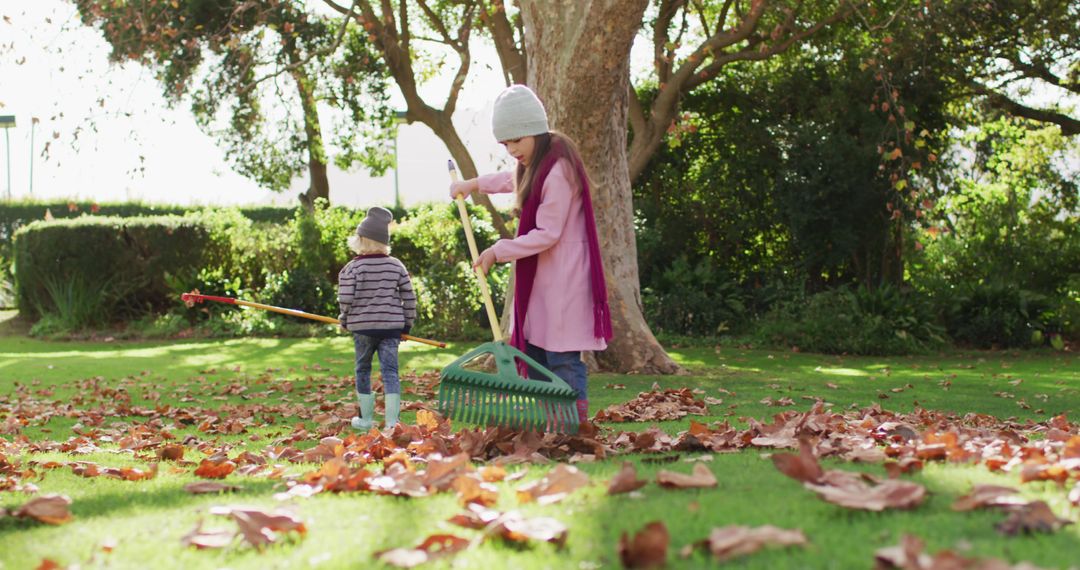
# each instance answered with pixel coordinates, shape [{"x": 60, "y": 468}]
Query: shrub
[
  {"x": 693, "y": 300},
  {"x": 861, "y": 321},
  {"x": 997, "y": 315},
  {"x": 128, "y": 258},
  {"x": 431, "y": 244}
]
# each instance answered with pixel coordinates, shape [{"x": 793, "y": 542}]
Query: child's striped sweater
[{"x": 376, "y": 296}]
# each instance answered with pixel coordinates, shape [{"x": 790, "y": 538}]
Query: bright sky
[{"x": 57, "y": 70}]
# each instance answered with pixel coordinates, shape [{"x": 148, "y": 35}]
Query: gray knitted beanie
[
  {"x": 518, "y": 113},
  {"x": 376, "y": 225}
]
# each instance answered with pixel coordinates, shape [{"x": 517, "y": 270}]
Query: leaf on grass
[
  {"x": 171, "y": 452},
  {"x": 909, "y": 555},
  {"x": 803, "y": 467},
  {"x": 701, "y": 476},
  {"x": 207, "y": 487},
  {"x": 433, "y": 547},
  {"x": 475, "y": 517},
  {"x": 1074, "y": 495},
  {"x": 441, "y": 472},
  {"x": 203, "y": 539},
  {"x": 733, "y": 541},
  {"x": 647, "y": 548},
  {"x": 983, "y": 496},
  {"x": 1035, "y": 516},
  {"x": 892, "y": 494},
  {"x": 515, "y": 528},
  {"x": 553, "y": 487},
  {"x": 259, "y": 527},
  {"x": 625, "y": 480},
  {"x": 472, "y": 490},
  {"x": 215, "y": 468},
  {"x": 49, "y": 509}
]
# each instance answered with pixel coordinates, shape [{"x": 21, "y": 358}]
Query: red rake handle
[{"x": 199, "y": 297}]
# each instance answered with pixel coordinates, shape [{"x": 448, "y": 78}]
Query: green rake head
[{"x": 503, "y": 397}]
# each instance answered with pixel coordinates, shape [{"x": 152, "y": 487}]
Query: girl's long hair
[{"x": 546, "y": 143}]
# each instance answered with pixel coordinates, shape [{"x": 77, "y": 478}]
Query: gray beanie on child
[
  {"x": 518, "y": 113},
  {"x": 376, "y": 225}
]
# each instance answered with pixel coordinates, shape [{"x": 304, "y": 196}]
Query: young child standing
[
  {"x": 560, "y": 295},
  {"x": 377, "y": 305}
]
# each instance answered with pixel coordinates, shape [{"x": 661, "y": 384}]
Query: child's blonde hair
[{"x": 365, "y": 246}]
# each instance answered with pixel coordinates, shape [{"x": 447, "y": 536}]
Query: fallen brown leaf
[
  {"x": 203, "y": 539},
  {"x": 553, "y": 487},
  {"x": 892, "y": 494},
  {"x": 206, "y": 487},
  {"x": 433, "y": 547},
  {"x": 701, "y": 476},
  {"x": 909, "y": 555},
  {"x": 982, "y": 496},
  {"x": 647, "y": 548},
  {"x": 215, "y": 468},
  {"x": 625, "y": 480},
  {"x": 259, "y": 527},
  {"x": 49, "y": 509},
  {"x": 1035, "y": 516},
  {"x": 515, "y": 528},
  {"x": 733, "y": 541},
  {"x": 803, "y": 467}
]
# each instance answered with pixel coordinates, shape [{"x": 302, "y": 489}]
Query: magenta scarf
[{"x": 526, "y": 266}]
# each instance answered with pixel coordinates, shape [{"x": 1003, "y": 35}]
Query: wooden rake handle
[
  {"x": 198, "y": 298},
  {"x": 493, "y": 317}
]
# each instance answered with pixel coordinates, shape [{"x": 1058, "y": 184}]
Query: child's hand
[
  {"x": 463, "y": 188},
  {"x": 486, "y": 260}
]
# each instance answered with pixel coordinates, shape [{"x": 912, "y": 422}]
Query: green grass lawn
[{"x": 142, "y": 522}]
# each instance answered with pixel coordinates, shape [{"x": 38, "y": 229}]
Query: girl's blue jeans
[
  {"x": 366, "y": 347},
  {"x": 565, "y": 365}
]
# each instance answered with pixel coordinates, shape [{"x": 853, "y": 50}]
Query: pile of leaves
[{"x": 657, "y": 406}]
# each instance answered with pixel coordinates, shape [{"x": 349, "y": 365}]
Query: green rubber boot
[
  {"x": 363, "y": 422},
  {"x": 393, "y": 407}
]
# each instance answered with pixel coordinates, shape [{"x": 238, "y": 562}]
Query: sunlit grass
[{"x": 144, "y": 521}]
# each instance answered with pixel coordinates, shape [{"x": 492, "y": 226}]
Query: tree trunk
[
  {"x": 578, "y": 63},
  {"x": 319, "y": 184}
]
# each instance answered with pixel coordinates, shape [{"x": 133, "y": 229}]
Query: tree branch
[
  {"x": 348, "y": 12},
  {"x": 1069, "y": 126},
  {"x": 511, "y": 56}
]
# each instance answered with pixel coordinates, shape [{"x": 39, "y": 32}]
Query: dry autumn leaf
[
  {"x": 49, "y": 509},
  {"x": 892, "y": 494},
  {"x": 625, "y": 480},
  {"x": 803, "y": 467},
  {"x": 433, "y": 547},
  {"x": 701, "y": 476},
  {"x": 1035, "y": 516},
  {"x": 553, "y": 487},
  {"x": 909, "y": 555},
  {"x": 207, "y": 487},
  {"x": 733, "y": 541},
  {"x": 982, "y": 496},
  {"x": 215, "y": 468},
  {"x": 647, "y": 548},
  {"x": 259, "y": 527},
  {"x": 203, "y": 539},
  {"x": 515, "y": 528}
]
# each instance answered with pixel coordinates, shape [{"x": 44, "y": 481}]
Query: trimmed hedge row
[
  {"x": 14, "y": 215},
  {"x": 131, "y": 257}
]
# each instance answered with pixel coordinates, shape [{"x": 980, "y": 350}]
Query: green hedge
[
  {"x": 14, "y": 215},
  {"x": 125, "y": 261}
]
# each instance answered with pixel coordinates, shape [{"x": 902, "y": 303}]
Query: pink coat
[{"x": 560, "y": 314}]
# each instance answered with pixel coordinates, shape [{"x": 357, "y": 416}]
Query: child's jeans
[
  {"x": 366, "y": 346},
  {"x": 565, "y": 365}
]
